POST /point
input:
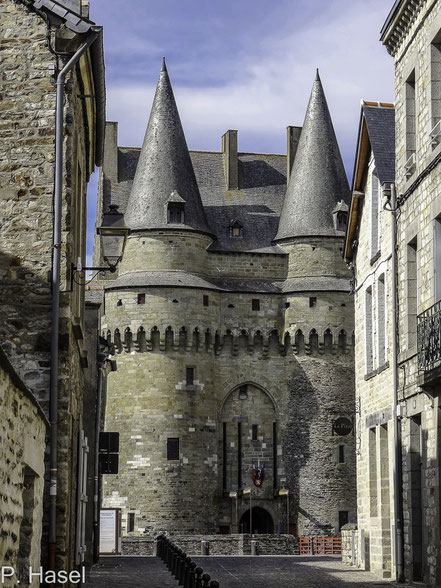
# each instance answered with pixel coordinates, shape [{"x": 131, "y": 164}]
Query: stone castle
[{"x": 233, "y": 325}]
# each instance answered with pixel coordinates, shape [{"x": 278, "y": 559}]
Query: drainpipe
[
  {"x": 398, "y": 489},
  {"x": 55, "y": 285}
]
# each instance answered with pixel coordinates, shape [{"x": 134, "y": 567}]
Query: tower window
[
  {"x": 254, "y": 432},
  {"x": 141, "y": 298},
  {"x": 175, "y": 213},
  {"x": 255, "y": 304},
  {"x": 243, "y": 392},
  {"x": 235, "y": 229},
  {"x": 205, "y": 300},
  {"x": 131, "y": 522},
  {"x": 312, "y": 302},
  {"x": 341, "y": 454},
  {"x": 190, "y": 376},
  {"x": 173, "y": 448}
]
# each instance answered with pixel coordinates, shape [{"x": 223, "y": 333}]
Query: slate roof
[
  {"x": 256, "y": 205},
  {"x": 381, "y": 128},
  {"x": 181, "y": 279},
  {"x": 164, "y": 168},
  {"x": 318, "y": 180}
]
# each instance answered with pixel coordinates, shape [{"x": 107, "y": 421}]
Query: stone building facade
[
  {"x": 233, "y": 327},
  {"x": 368, "y": 249},
  {"x": 412, "y": 34},
  {"x": 38, "y": 38}
]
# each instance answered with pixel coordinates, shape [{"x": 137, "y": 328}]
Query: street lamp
[{"x": 113, "y": 236}]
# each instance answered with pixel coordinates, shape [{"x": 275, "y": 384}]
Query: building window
[
  {"x": 254, "y": 432},
  {"x": 341, "y": 454},
  {"x": 131, "y": 522},
  {"x": 255, "y": 304},
  {"x": 412, "y": 292},
  {"x": 189, "y": 377},
  {"x": 375, "y": 213},
  {"x": 381, "y": 320},
  {"x": 435, "y": 94},
  {"x": 312, "y": 302},
  {"x": 369, "y": 331},
  {"x": 235, "y": 229},
  {"x": 343, "y": 518},
  {"x": 373, "y": 490},
  {"x": 141, "y": 298},
  {"x": 173, "y": 448},
  {"x": 410, "y": 124},
  {"x": 205, "y": 300},
  {"x": 175, "y": 213},
  {"x": 243, "y": 392},
  {"x": 119, "y": 303}
]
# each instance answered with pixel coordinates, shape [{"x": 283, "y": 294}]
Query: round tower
[
  {"x": 319, "y": 320},
  {"x": 160, "y": 312}
]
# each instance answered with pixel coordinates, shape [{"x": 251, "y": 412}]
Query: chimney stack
[
  {"x": 110, "y": 163},
  {"x": 229, "y": 150},
  {"x": 292, "y": 142}
]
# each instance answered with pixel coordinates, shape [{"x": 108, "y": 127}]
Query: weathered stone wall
[
  {"x": 350, "y": 545},
  {"x": 22, "y": 445},
  {"x": 149, "y": 401},
  {"x": 27, "y": 128},
  {"x": 416, "y": 67},
  {"x": 218, "y": 544}
]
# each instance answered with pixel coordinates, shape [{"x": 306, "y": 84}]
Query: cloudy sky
[{"x": 243, "y": 64}]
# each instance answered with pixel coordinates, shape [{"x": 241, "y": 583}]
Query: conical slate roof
[
  {"x": 164, "y": 173},
  {"x": 318, "y": 180}
]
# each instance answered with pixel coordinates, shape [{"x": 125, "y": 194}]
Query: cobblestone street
[{"x": 234, "y": 572}]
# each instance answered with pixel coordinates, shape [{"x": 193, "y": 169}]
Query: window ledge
[
  {"x": 407, "y": 354},
  {"x": 375, "y": 257},
  {"x": 383, "y": 367},
  {"x": 371, "y": 374}
]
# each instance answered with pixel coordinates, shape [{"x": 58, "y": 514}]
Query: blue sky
[{"x": 246, "y": 65}]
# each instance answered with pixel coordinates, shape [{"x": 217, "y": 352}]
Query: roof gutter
[{"x": 93, "y": 34}]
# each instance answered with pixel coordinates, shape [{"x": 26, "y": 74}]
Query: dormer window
[
  {"x": 175, "y": 209},
  {"x": 340, "y": 216},
  {"x": 175, "y": 213},
  {"x": 235, "y": 229}
]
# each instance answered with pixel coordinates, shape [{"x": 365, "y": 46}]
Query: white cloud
[{"x": 261, "y": 97}]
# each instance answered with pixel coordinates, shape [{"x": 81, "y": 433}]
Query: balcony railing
[{"x": 429, "y": 338}]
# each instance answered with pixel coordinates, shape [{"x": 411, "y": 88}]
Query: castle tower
[
  {"x": 319, "y": 317},
  {"x": 216, "y": 392}
]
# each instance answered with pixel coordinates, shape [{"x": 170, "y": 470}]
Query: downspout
[
  {"x": 398, "y": 490},
  {"x": 55, "y": 285}
]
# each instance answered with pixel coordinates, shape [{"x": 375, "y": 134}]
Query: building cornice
[{"x": 398, "y": 23}]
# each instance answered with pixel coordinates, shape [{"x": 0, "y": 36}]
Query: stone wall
[
  {"x": 22, "y": 445},
  {"x": 218, "y": 544},
  {"x": 27, "y": 131},
  {"x": 150, "y": 401},
  {"x": 350, "y": 546}
]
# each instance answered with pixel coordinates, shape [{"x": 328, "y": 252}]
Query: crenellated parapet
[{"x": 234, "y": 341}]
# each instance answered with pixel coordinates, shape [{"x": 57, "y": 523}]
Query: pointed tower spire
[
  {"x": 318, "y": 179},
  {"x": 164, "y": 191}
]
